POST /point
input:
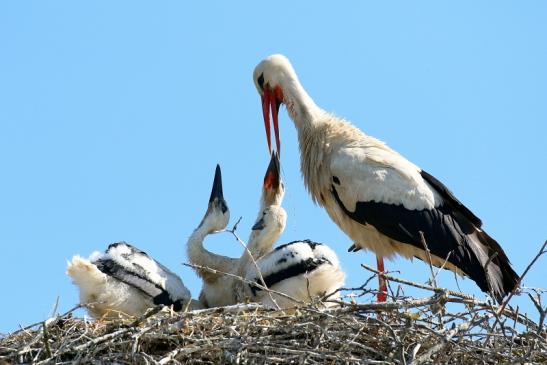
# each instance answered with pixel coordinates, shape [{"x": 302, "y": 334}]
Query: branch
[
  {"x": 233, "y": 231},
  {"x": 542, "y": 251},
  {"x": 464, "y": 298},
  {"x": 418, "y": 285},
  {"x": 388, "y": 306},
  {"x": 261, "y": 287},
  {"x": 438, "y": 347},
  {"x": 429, "y": 260},
  {"x": 49, "y": 320}
]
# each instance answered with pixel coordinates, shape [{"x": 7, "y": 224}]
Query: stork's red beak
[{"x": 271, "y": 101}]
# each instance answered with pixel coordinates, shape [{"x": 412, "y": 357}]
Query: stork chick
[
  {"x": 382, "y": 201},
  {"x": 216, "y": 290},
  {"x": 273, "y": 192},
  {"x": 125, "y": 281},
  {"x": 303, "y": 270}
]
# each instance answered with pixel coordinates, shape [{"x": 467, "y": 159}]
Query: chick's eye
[{"x": 260, "y": 81}]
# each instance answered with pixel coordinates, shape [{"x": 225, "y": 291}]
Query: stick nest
[{"x": 403, "y": 331}]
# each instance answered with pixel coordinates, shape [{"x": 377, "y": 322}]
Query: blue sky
[{"x": 114, "y": 114}]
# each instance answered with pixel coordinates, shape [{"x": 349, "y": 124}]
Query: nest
[{"x": 444, "y": 327}]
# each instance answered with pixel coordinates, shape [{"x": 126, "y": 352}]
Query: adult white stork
[
  {"x": 378, "y": 198},
  {"x": 124, "y": 280}
]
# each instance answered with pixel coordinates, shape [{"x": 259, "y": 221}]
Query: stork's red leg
[{"x": 382, "y": 287}]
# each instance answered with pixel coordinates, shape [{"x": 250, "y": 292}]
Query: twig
[
  {"x": 247, "y": 252},
  {"x": 261, "y": 287},
  {"x": 542, "y": 311},
  {"x": 90, "y": 343},
  {"x": 418, "y": 285},
  {"x": 466, "y": 298},
  {"x": 519, "y": 281},
  {"x": 429, "y": 260},
  {"x": 236, "y": 308},
  {"x": 45, "y": 339},
  {"x": 433, "y": 275},
  {"x": 149, "y": 313},
  {"x": 506, "y": 301},
  {"x": 22, "y": 329},
  {"x": 55, "y": 307},
  {"x": 388, "y": 306},
  {"x": 438, "y": 347}
]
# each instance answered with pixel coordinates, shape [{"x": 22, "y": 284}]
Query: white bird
[
  {"x": 273, "y": 192},
  {"x": 378, "y": 198},
  {"x": 125, "y": 281},
  {"x": 302, "y": 270},
  {"x": 293, "y": 270},
  {"x": 217, "y": 287}
]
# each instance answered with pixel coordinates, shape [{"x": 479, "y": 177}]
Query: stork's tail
[
  {"x": 501, "y": 279},
  {"x": 489, "y": 266}
]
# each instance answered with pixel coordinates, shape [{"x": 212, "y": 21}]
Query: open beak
[
  {"x": 216, "y": 192},
  {"x": 272, "y": 179},
  {"x": 271, "y": 101}
]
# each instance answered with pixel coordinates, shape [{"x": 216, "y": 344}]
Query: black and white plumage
[
  {"x": 124, "y": 280},
  {"x": 378, "y": 198},
  {"x": 319, "y": 270},
  {"x": 304, "y": 270}
]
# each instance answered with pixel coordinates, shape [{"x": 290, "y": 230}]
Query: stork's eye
[
  {"x": 260, "y": 81},
  {"x": 223, "y": 206}
]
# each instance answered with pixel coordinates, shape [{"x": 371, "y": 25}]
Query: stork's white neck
[
  {"x": 261, "y": 241},
  {"x": 259, "y": 244},
  {"x": 199, "y": 255},
  {"x": 311, "y": 123},
  {"x": 300, "y": 106}
]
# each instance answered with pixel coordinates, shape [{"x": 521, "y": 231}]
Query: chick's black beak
[{"x": 216, "y": 191}]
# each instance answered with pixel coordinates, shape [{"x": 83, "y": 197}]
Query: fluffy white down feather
[
  {"x": 128, "y": 256},
  {"x": 305, "y": 287},
  {"x": 106, "y": 297}
]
